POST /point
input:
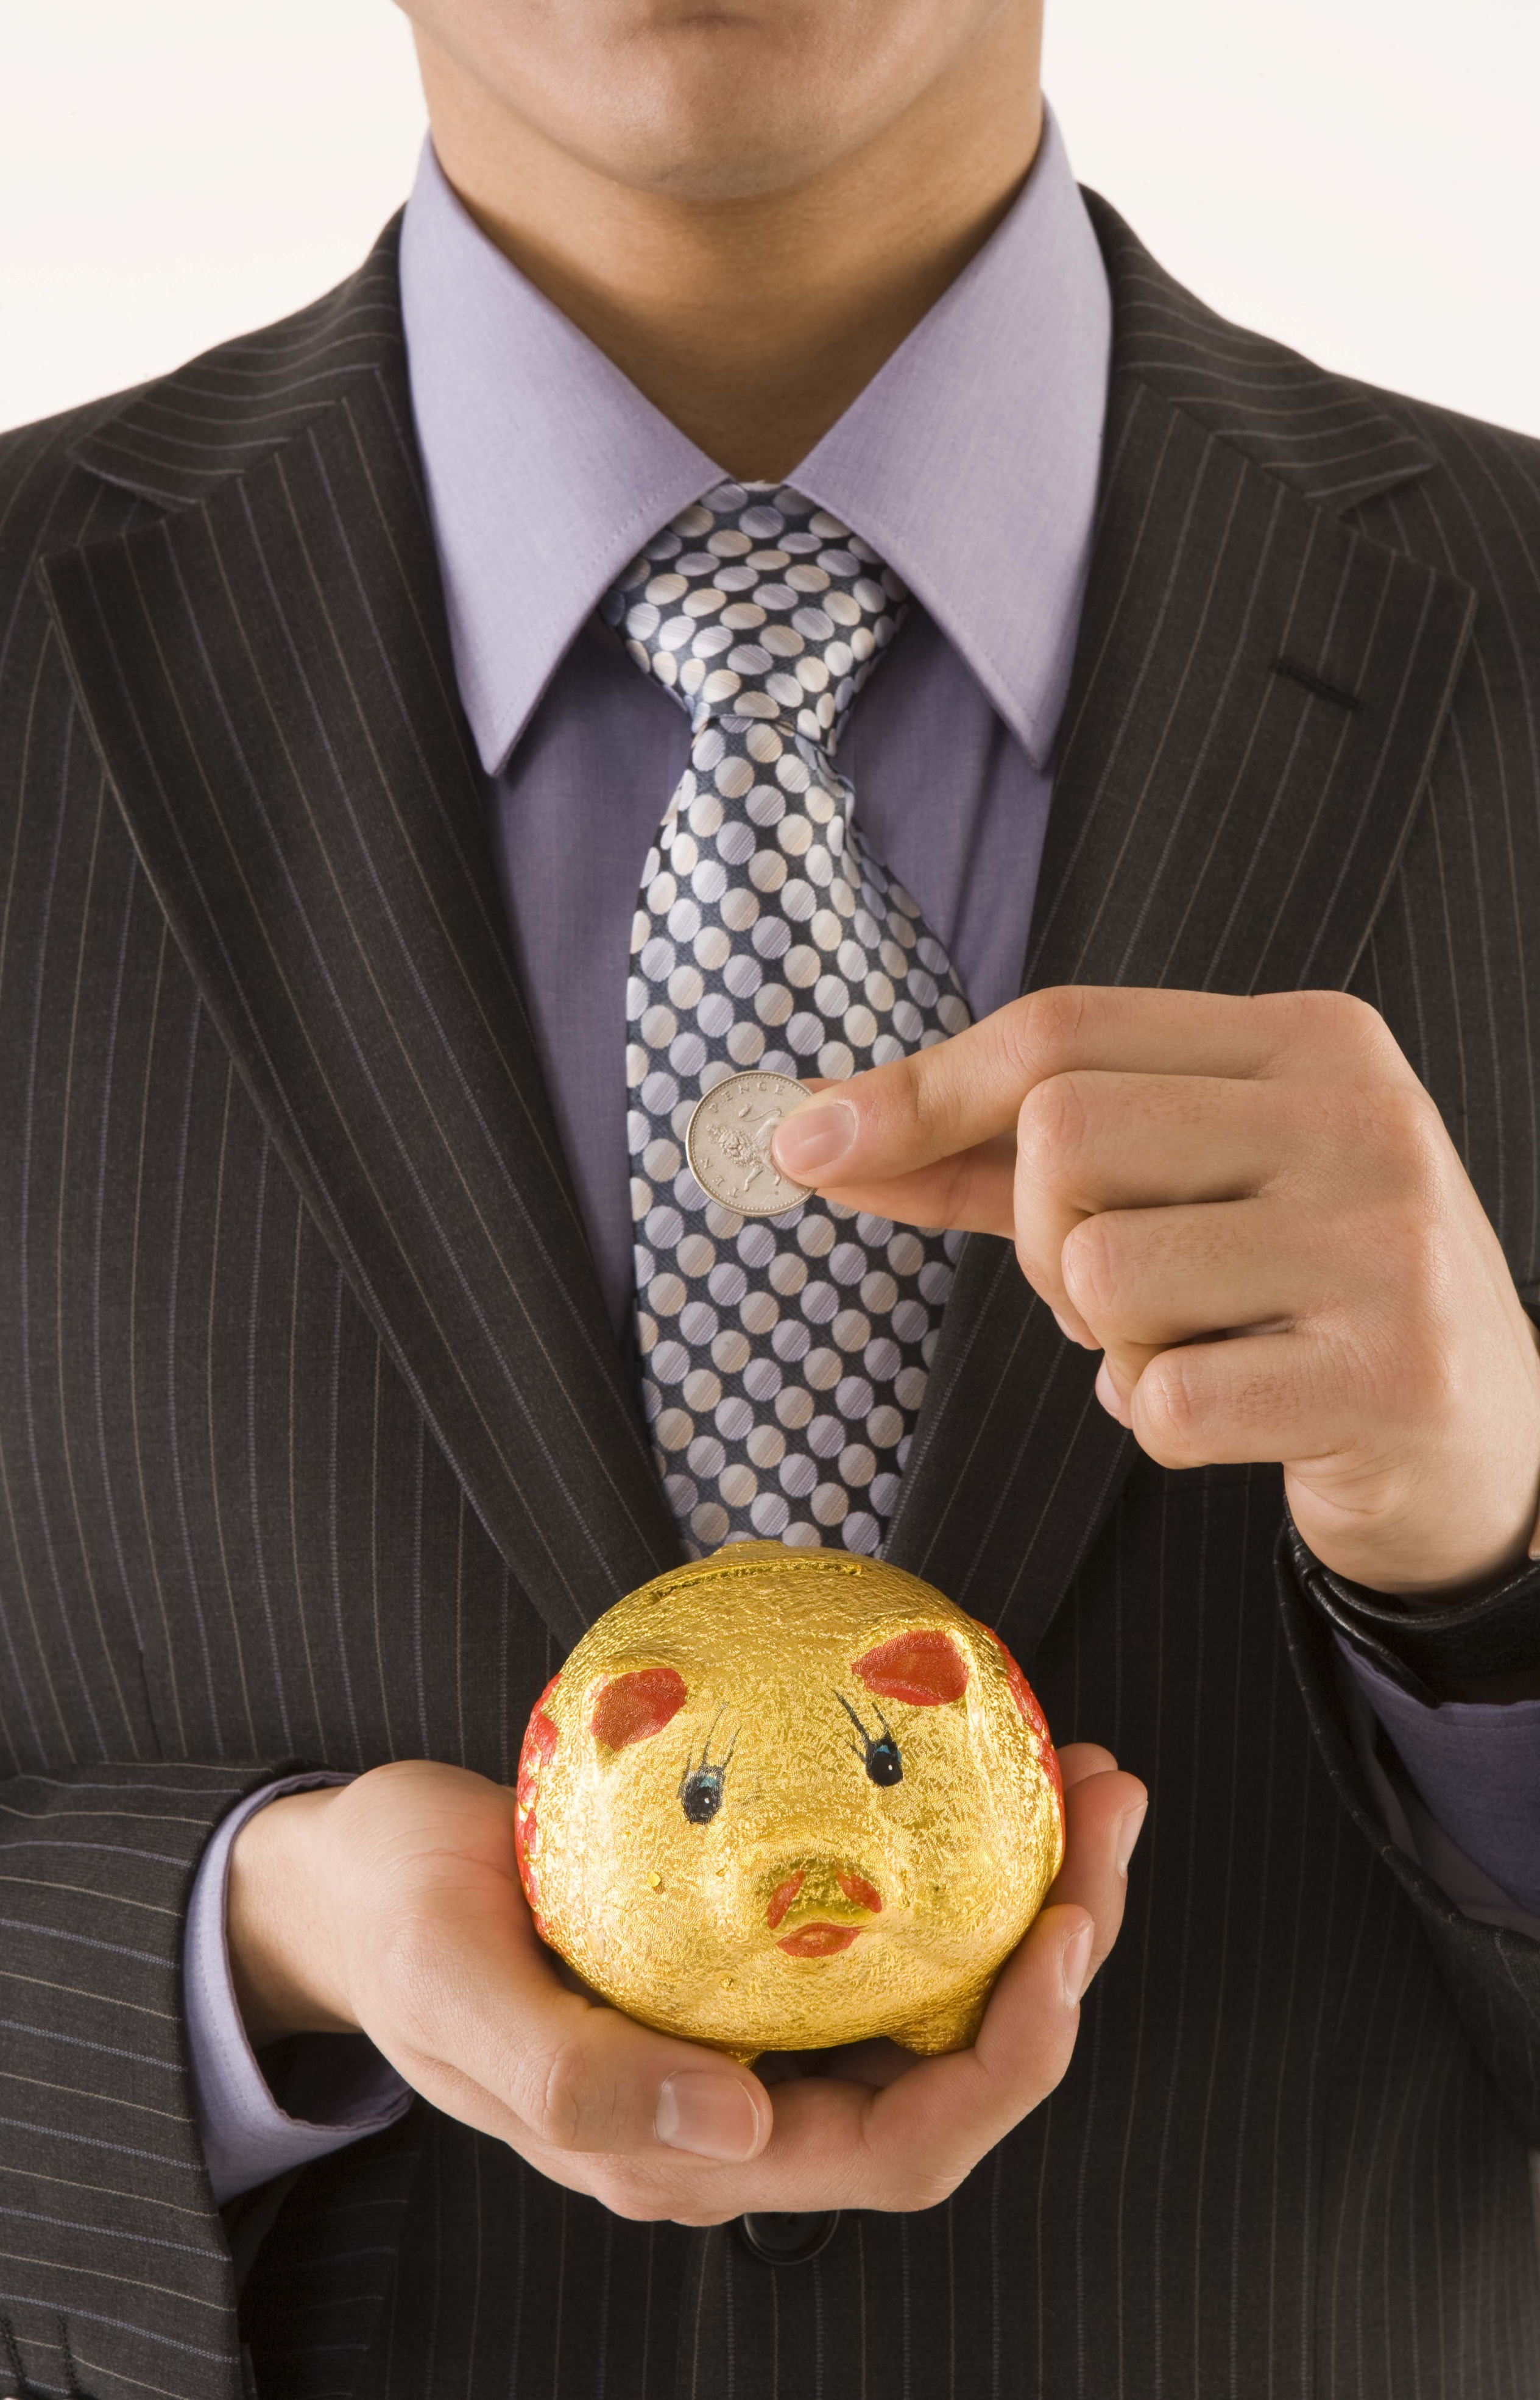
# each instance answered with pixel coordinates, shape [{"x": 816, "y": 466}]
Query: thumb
[{"x": 479, "y": 2007}]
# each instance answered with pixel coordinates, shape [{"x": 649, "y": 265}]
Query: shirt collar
[
  {"x": 547, "y": 469},
  {"x": 969, "y": 461}
]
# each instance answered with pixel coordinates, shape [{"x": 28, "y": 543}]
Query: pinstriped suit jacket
[{"x": 315, "y": 1448}]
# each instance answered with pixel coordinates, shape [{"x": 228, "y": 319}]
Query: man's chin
[
  {"x": 737, "y": 119},
  {"x": 704, "y": 104}
]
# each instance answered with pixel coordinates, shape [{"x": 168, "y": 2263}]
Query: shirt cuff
[
  {"x": 248, "y": 2138},
  {"x": 1428, "y": 1651},
  {"x": 1476, "y": 1768}
]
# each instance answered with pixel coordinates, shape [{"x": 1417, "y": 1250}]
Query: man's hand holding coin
[{"x": 1252, "y": 1209}]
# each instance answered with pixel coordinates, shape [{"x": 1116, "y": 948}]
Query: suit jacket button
[{"x": 785, "y": 2240}]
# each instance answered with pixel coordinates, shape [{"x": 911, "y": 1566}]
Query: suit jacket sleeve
[
  {"x": 1492, "y": 1971},
  {"x": 110, "y": 2242}
]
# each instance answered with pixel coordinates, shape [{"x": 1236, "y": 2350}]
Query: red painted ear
[
  {"x": 924, "y": 1667},
  {"x": 1031, "y": 1709},
  {"x": 1020, "y": 1689},
  {"x": 539, "y": 1745},
  {"x": 636, "y": 1706}
]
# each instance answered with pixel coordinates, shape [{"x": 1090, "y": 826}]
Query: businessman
[{"x": 757, "y": 570}]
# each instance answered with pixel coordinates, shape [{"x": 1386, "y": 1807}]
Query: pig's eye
[
  {"x": 884, "y": 1761},
  {"x": 701, "y": 1794},
  {"x": 701, "y": 1784}
]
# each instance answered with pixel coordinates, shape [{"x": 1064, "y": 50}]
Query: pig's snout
[
  {"x": 782, "y": 1897},
  {"x": 827, "y": 1902}
]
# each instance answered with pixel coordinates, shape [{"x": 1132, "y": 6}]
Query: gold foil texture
[{"x": 781, "y": 1799}]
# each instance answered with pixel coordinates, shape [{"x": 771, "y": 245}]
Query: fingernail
[
  {"x": 709, "y": 2114},
  {"x": 811, "y": 1139},
  {"x": 1130, "y": 1826},
  {"x": 1074, "y": 1964}
]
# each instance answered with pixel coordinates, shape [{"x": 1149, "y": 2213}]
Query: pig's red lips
[{"x": 819, "y": 1941}]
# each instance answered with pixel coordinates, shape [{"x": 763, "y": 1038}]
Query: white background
[{"x": 1360, "y": 177}]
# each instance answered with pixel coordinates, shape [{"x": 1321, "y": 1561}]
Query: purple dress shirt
[{"x": 971, "y": 461}]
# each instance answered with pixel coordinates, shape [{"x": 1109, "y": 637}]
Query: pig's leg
[{"x": 952, "y": 2026}]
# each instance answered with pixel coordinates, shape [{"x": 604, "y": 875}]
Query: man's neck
[{"x": 752, "y": 323}]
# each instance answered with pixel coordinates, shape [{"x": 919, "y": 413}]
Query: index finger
[{"x": 962, "y": 1093}]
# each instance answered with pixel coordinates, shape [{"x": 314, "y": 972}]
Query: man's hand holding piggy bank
[{"x": 393, "y": 1905}]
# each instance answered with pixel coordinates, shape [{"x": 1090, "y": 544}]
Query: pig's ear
[
  {"x": 636, "y": 1706},
  {"x": 926, "y": 1667}
]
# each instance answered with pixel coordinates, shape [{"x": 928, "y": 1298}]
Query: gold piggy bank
[{"x": 781, "y": 1799}]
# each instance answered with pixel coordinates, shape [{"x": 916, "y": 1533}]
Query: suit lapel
[
  {"x": 264, "y": 674},
  {"x": 1257, "y": 691}
]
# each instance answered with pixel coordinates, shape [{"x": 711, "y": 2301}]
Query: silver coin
[{"x": 728, "y": 1144}]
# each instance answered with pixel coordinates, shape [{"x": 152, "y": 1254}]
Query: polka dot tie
[{"x": 783, "y": 1359}]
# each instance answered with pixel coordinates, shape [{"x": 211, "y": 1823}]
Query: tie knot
[{"x": 753, "y": 603}]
